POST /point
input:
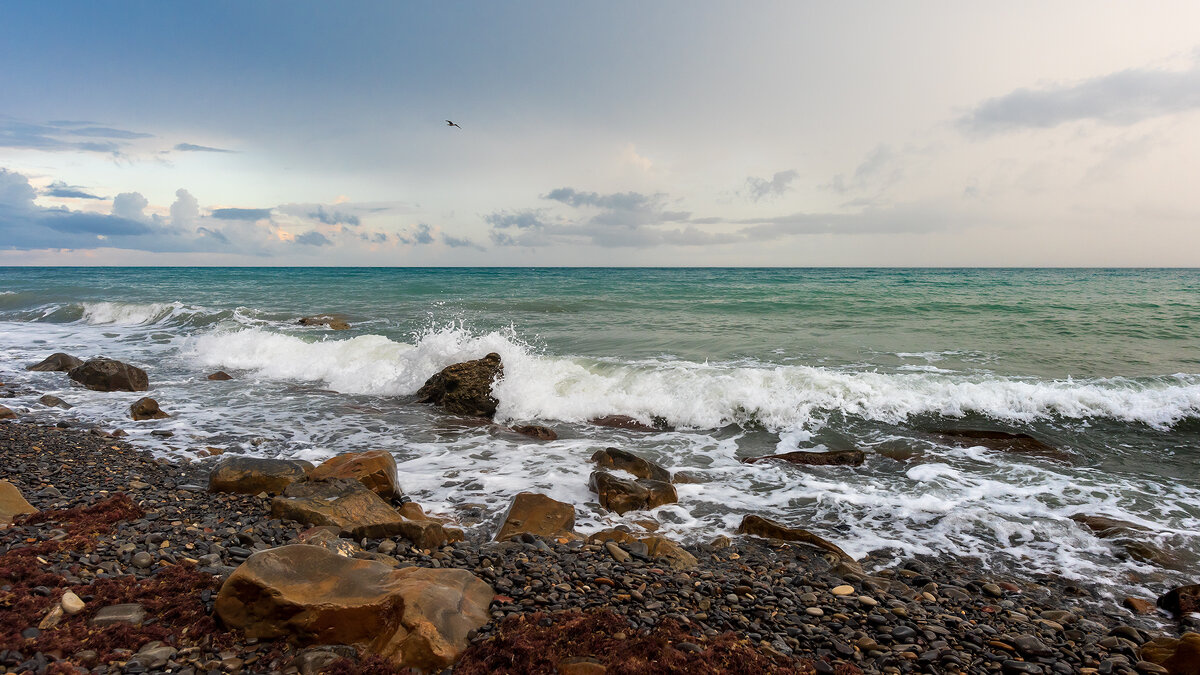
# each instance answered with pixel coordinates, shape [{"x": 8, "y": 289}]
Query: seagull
[{"x": 452, "y": 124}]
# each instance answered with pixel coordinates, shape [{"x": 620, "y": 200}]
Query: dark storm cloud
[
  {"x": 240, "y": 214},
  {"x": 192, "y": 147}
]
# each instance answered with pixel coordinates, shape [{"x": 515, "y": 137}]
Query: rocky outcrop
[
  {"x": 358, "y": 512},
  {"x": 331, "y": 321},
  {"x": 1004, "y": 441},
  {"x": 810, "y": 458},
  {"x": 110, "y": 375},
  {"x": 621, "y": 495},
  {"x": 1179, "y": 656},
  {"x": 769, "y": 529},
  {"x": 12, "y": 503},
  {"x": 54, "y": 402},
  {"x": 614, "y": 458},
  {"x": 629, "y": 423},
  {"x": 539, "y": 515},
  {"x": 146, "y": 408},
  {"x": 376, "y": 469},
  {"x": 252, "y": 475},
  {"x": 1133, "y": 538},
  {"x": 56, "y": 363},
  {"x": 1182, "y": 600},
  {"x": 415, "y": 617},
  {"x": 535, "y": 431},
  {"x": 465, "y": 388},
  {"x": 220, "y": 375}
]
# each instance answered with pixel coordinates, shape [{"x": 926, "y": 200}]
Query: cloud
[
  {"x": 107, "y": 132},
  {"x": 192, "y": 147},
  {"x": 240, "y": 214},
  {"x": 185, "y": 212},
  {"x": 333, "y": 217},
  {"x": 313, "y": 238},
  {"x": 58, "y": 137},
  {"x": 131, "y": 205},
  {"x": 421, "y": 236},
  {"x": 62, "y": 190},
  {"x": 525, "y": 219},
  {"x": 1121, "y": 98},
  {"x": 457, "y": 242},
  {"x": 758, "y": 189}
]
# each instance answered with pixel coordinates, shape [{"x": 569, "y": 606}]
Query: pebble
[
  {"x": 71, "y": 603},
  {"x": 844, "y": 589}
]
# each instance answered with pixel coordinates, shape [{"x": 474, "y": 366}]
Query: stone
[
  {"x": 220, "y": 375},
  {"x": 580, "y": 665},
  {"x": 465, "y": 388},
  {"x": 809, "y": 458},
  {"x": 415, "y": 617},
  {"x": 56, "y": 363},
  {"x": 330, "y": 321},
  {"x": 130, "y": 613},
  {"x": 52, "y": 618},
  {"x": 1139, "y": 605},
  {"x": 762, "y": 527},
  {"x": 535, "y": 431},
  {"x": 54, "y": 402},
  {"x": 146, "y": 408},
  {"x": 1004, "y": 441},
  {"x": 1182, "y": 600},
  {"x": 154, "y": 655},
  {"x": 626, "y": 422},
  {"x": 103, "y": 374},
  {"x": 657, "y": 547},
  {"x": 358, "y": 512},
  {"x": 621, "y": 495},
  {"x": 614, "y": 458},
  {"x": 619, "y": 554},
  {"x": 71, "y": 603},
  {"x": 1180, "y": 656},
  {"x": 844, "y": 589},
  {"x": 539, "y": 515},
  {"x": 376, "y": 469},
  {"x": 252, "y": 475},
  {"x": 6, "y": 413},
  {"x": 12, "y": 503},
  {"x": 142, "y": 560}
]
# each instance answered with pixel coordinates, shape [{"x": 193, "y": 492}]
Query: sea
[{"x": 1102, "y": 364}]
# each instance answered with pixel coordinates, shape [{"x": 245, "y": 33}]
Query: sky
[{"x": 615, "y": 134}]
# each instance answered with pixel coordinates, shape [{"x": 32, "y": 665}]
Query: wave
[
  {"x": 688, "y": 394},
  {"x": 140, "y": 314}
]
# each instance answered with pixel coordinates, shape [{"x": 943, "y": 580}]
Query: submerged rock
[
  {"x": 539, "y": 515},
  {"x": 7, "y": 413},
  {"x": 103, "y": 374},
  {"x": 621, "y": 495},
  {"x": 332, "y": 321},
  {"x": 615, "y": 458},
  {"x": 465, "y": 388},
  {"x": 375, "y": 469},
  {"x": 535, "y": 431},
  {"x": 220, "y": 375},
  {"x": 146, "y": 409},
  {"x": 810, "y": 458},
  {"x": 252, "y": 475},
  {"x": 56, "y": 363},
  {"x": 54, "y": 402},
  {"x": 627, "y": 422},
  {"x": 1004, "y": 441}
]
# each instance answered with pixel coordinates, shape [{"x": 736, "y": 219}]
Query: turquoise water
[{"x": 1102, "y": 364}]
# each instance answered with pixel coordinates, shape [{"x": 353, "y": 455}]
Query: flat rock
[
  {"x": 130, "y": 613},
  {"x": 615, "y": 458},
  {"x": 103, "y": 374},
  {"x": 146, "y": 408},
  {"x": 54, "y": 402},
  {"x": 811, "y": 458},
  {"x": 12, "y": 503},
  {"x": 376, "y": 469},
  {"x": 539, "y": 515},
  {"x": 621, "y": 495},
  {"x": 252, "y": 475},
  {"x": 1179, "y": 656},
  {"x": 357, "y": 511},
  {"x": 415, "y": 617},
  {"x": 770, "y": 529},
  {"x": 330, "y": 321},
  {"x": 56, "y": 363},
  {"x": 465, "y": 388}
]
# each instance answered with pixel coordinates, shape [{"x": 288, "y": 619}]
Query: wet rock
[
  {"x": 1139, "y": 605},
  {"x": 615, "y": 458},
  {"x": 103, "y": 374},
  {"x": 7, "y": 413},
  {"x": 57, "y": 363},
  {"x": 12, "y": 503},
  {"x": 415, "y": 617},
  {"x": 810, "y": 458},
  {"x": 465, "y": 388},
  {"x": 1004, "y": 441},
  {"x": 252, "y": 475},
  {"x": 656, "y": 547},
  {"x": 331, "y": 321},
  {"x": 54, "y": 402},
  {"x": 146, "y": 408},
  {"x": 621, "y": 495},
  {"x": 220, "y": 375},
  {"x": 1179, "y": 656},
  {"x": 1182, "y": 600},
  {"x": 769, "y": 529},
  {"x": 535, "y": 431},
  {"x": 341, "y": 502},
  {"x": 130, "y": 613},
  {"x": 375, "y": 469},
  {"x": 627, "y": 422},
  {"x": 539, "y": 515}
]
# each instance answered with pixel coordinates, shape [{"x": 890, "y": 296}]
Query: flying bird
[{"x": 452, "y": 124}]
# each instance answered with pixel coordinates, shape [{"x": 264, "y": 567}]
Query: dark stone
[
  {"x": 110, "y": 375},
  {"x": 1004, "y": 441},
  {"x": 465, "y": 388},
  {"x": 621, "y": 495},
  {"x": 627, "y": 422},
  {"x": 614, "y": 458},
  {"x": 220, "y": 375},
  {"x": 332, "y": 321},
  {"x": 536, "y": 431},
  {"x": 146, "y": 408},
  {"x": 1182, "y": 600},
  {"x": 58, "y": 362},
  {"x": 832, "y": 458},
  {"x": 54, "y": 402}
]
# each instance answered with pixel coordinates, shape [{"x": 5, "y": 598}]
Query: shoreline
[{"x": 911, "y": 615}]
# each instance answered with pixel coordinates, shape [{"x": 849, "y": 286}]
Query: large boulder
[
  {"x": 1179, "y": 656},
  {"x": 465, "y": 388},
  {"x": 537, "y": 514},
  {"x": 375, "y": 469},
  {"x": 769, "y": 529},
  {"x": 615, "y": 458},
  {"x": 57, "y": 363},
  {"x": 810, "y": 458},
  {"x": 357, "y": 511},
  {"x": 415, "y": 617},
  {"x": 1004, "y": 441},
  {"x": 252, "y": 475},
  {"x": 621, "y": 494},
  {"x": 331, "y": 321},
  {"x": 110, "y": 375},
  {"x": 12, "y": 503},
  {"x": 1182, "y": 600},
  {"x": 146, "y": 408}
]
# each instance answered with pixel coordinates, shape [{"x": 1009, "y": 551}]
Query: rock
[
  {"x": 1005, "y": 442},
  {"x": 769, "y": 529},
  {"x": 12, "y": 503},
  {"x": 415, "y": 617},
  {"x": 142, "y": 560},
  {"x": 154, "y": 655},
  {"x": 52, "y": 618},
  {"x": 832, "y": 458},
  {"x": 1105, "y": 527},
  {"x": 626, "y": 422},
  {"x": 110, "y": 375},
  {"x": 252, "y": 475},
  {"x": 536, "y": 431},
  {"x": 426, "y": 531},
  {"x": 130, "y": 613},
  {"x": 1182, "y": 600},
  {"x": 844, "y": 589},
  {"x": 376, "y": 469},
  {"x": 617, "y": 552},
  {"x": 220, "y": 375},
  {"x": 54, "y": 402},
  {"x": 657, "y": 548},
  {"x": 146, "y": 408},
  {"x": 71, "y": 603},
  {"x": 56, "y": 363},
  {"x": 357, "y": 511},
  {"x": 614, "y": 458},
  {"x": 621, "y": 495},
  {"x": 1139, "y": 605},
  {"x": 332, "y": 321},
  {"x": 7, "y": 413},
  {"x": 1179, "y": 656},
  {"x": 539, "y": 515},
  {"x": 465, "y": 388},
  {"x": 580, "y": 665}
]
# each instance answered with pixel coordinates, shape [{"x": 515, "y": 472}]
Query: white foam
[{"x": 127, "y": 313}]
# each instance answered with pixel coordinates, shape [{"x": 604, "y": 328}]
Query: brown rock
[
  {"x": 375, "y": 469},
  {"x": 612, "y": 534},
  {"x": 832, "y": 458},
  {"x": 220, "y": 375},
  {"x": 536, "y": 431},
  {"x": 56, "y": 363},
  {"x": 614, "y": 458},
  {"x": 146, "y": 408},
  {"x": 357, "y": 511},
  {"x": 1005, "y": 442},
  {"x": 12, "y": 503},
  {"x": 769, "y": 529},
  {"x": 465, "y": 388},
  {"x": 1132, "y": 537},
  {"x": 662, "y": 548},
  {"x": 581, "y": 665},
  {"x": 332, "y": 321},
  {"x": 54, "y": 402},
  {"x": 1139, "y": 605},
  {"x": 1179, "y": 656},
  {"x": 1105, "y": 527},
  {"x": 415, "y": 617},
  {"x": 537, "y": 514},
  {"x": 6, "y": 413},
  {"x": 1182, "y": 600},
  {"x": 252, "y": 475},
  {"x": 621, "y": 495},
  {"x": 627, "y": 422},
  {"x": 110, "y": 375}
]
